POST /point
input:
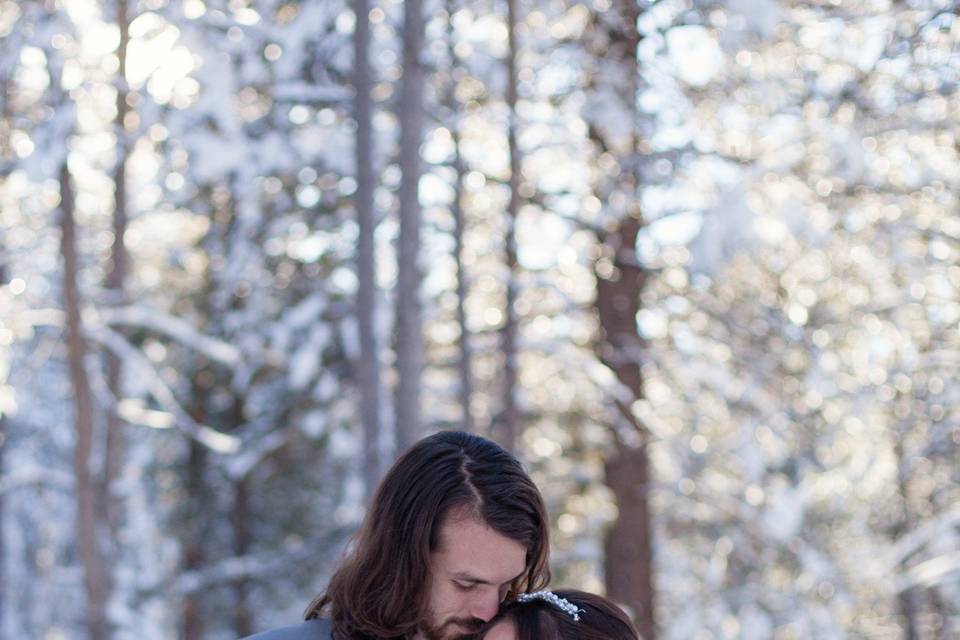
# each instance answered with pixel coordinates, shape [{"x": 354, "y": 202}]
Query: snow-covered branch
[
  {"x": 921, "y": 536},
  {"x": 174, "y": 328},
  {"x": 929, "y": 572},
  {"x": 139, "y": 366},
  {"x": 239, "y": 465},
  {"x": 37, "y": 477},
  {"x": 301, "y": 92},
  {"x": 238, "y": 568},
  {"x": 269, "y": 563}
]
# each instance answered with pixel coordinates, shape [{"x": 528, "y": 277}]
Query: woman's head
[{"x": 561, "y": 615}]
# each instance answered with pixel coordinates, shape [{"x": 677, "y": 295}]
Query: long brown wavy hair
[{"x": 380, "y": 589}]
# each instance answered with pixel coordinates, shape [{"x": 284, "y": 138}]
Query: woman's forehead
[{"x": 503, "y": 630}]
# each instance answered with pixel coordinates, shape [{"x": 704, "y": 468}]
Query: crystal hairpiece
[{"x": 549, "y": 596}]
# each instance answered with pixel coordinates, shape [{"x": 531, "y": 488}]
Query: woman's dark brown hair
[
  {"x": 381, "y": 587},
  {"x": 538, "y": 619}
]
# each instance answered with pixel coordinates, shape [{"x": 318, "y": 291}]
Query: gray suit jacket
[{"x": 309, "y": 630}]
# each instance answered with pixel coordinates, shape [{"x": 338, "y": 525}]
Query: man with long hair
[{"x": 455, "y": 528}]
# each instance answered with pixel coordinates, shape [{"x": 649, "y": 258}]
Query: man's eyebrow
[{"x": 467, "y": 577}]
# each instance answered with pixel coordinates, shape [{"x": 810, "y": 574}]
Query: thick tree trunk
[
  {"x": 409, "y": 338},
  {"x": 629, "y": 545},
  {"x": 371, "y": 393},
  {"x": 508, "y": 336},
  {"x": 88, "y": 543},
  {"x": 629, "y": 550}
]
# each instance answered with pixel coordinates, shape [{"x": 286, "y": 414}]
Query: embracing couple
[{"x": 454, "y": 545}]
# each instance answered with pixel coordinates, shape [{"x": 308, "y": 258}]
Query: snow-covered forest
[{"x": 697, "y": 262}]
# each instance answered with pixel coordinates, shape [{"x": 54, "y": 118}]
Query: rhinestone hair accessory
[{"x": 560, "y": 603}]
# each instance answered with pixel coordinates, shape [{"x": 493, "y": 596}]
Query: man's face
[{"x": 470, "y": 574}]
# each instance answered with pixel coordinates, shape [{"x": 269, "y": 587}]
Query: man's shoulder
[{"x": 309, "y": 630}]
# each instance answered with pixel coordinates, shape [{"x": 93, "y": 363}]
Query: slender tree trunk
[
  {"x": 88, "y": 543},
  {"x": 408, "y": 330},
  {"x": 907, "y": 608},
  {"x": 371, "y": 393},
  {"x": 198, "y": 510},
  {"x": 8, "y": 49},
  {"x": 3, "y": 517},
  {"x": 464, "y": 366},
  {"x": 508, "y": 336},
  {"x": 941, "y": 608},
  {"x": 6, "y": 165},
  {"x": 3, "y": 512},
  {"x": 240, "y": 520},
  {"x": 201, "y": 507},
  {"x": 110, "y": 509},
  {"x": 465, "y": 361},
  {"x": 194, "y": 553},
  {"x": 907, "y": 604}
]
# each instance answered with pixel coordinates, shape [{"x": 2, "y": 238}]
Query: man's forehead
[{"x": 471, "y": 549}]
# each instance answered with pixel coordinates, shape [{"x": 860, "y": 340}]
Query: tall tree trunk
[
  {"x": 88, "y": 542},
  {"x": 6, "y": 165},
  {"x": 201, "y": 506},
  {"x": 465, "y": 361},
  {"x": 240, "y": 520},
  {"x": 629, "y": 544},
  {"x": 371, "y": 393},
  {"x": 508, "y": 336},
  {"x": 464, "y": 365},
  {"x": 408, "y": 330},
  {"x": 116, "y": 278}
]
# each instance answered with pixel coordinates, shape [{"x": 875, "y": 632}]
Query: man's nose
[{"x": 486, "y": 607}]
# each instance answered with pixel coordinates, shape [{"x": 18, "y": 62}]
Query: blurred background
[{"x": 696, "y": 262}]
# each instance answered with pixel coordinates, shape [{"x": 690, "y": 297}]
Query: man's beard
[{"x": 453, "y": 629}]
